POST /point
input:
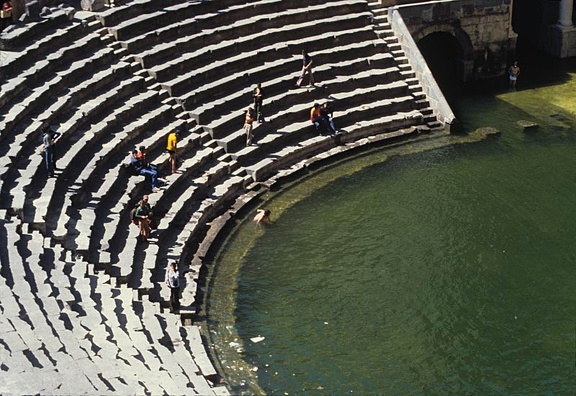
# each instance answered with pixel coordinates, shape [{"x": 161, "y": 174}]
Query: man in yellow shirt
[{"x": 171, "y": 146}]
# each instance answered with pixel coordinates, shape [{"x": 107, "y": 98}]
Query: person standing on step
[
  {"x": 143, "y": 216},
  {"x": 171, "y": 146},
  {"x": 258, "y": 95},
  {"x": 306, "y": 69},
  {"x": 49, "y": 138},
  {"x": 248, "y": 120},
  {"x": 6, "y": 15},
  {"x": 172, "y": 279}
]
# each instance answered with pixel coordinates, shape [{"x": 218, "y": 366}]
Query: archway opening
[{"x": 443, "y": 55}]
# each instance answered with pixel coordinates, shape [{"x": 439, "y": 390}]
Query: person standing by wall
[
  {"x": 173, "y": 282},
  {"x": 513, "y": 73}
]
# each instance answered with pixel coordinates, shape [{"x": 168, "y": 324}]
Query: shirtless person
[
  {"x": 514, "y": 72},
  {"x": 262, "y": 216}
]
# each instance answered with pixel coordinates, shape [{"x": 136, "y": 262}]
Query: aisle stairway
[{"x": 83, "y": 303}]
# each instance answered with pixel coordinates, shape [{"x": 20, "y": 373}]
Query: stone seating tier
[
  {"x": 38, "y": 92},
  {"x": 183, "y": 21},
  {"x": 276, "y": 89},
  {"x": 263, "y": 43},
  {"x": 342, "y": 101},
  {"x": 22, "y": 34},
  {"x": 116, "y": 15},
  {"x": 289, "y": 152},
  {"x": 30, "y": 51},
  {"x": 28, "y": 139},
  {"x": 237, "y": 65},
  {"x": 284, "y": 73},
  {"x": 206, "y": 30},
  {"x": 81, "y": 153},
  {"x": 77, "y": 343}
]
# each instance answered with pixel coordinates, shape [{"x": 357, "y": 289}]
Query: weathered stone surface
[{"x": 527, "y": 125}]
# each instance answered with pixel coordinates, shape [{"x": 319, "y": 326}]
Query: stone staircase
[{"x": 83, "y": 303}]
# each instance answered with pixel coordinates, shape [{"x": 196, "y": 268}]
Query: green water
[{"x": 415, "y": 270}]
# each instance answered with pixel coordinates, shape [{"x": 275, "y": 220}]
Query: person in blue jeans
[
  {"x": 49, "y": 138},
  {"x": 140, "y": 168}
]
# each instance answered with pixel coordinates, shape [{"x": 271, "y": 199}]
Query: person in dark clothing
[
  {"x": 306, "y": 69},
  {"x": 327, "y": 114},
  {"x": 258, "y": 95},
  {"x": 143, "y": 216}
]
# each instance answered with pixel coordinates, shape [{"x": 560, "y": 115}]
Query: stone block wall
[{"x": 482, "y": 28}]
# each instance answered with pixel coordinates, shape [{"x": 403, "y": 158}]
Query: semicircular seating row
[{"x": 73, "y": 271}]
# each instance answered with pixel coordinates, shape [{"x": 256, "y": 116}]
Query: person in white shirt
[{"x": 173, "y": 282}]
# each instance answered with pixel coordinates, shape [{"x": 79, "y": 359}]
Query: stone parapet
[{"x": 438, "y": 102}]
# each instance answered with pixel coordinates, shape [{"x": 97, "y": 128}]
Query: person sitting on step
[
  {"x": 142, "y": 156},
  {"x": 319, "y": 122},
  {"x": 327, "y": 114},
  {"x": 139, "y": 168}
]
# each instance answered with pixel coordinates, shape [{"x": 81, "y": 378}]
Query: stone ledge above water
[{"x": 526, "y": 125}]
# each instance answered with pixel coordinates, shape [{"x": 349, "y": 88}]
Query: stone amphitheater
[{"x": 84, "y": 309}]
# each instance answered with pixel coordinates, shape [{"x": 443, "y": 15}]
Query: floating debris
[{"x": 257, "y": 339}]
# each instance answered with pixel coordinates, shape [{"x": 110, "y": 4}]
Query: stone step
[
  {"x": 237, "y": 21},
  {"x": 238, "y": 64},
  {"x": 278, "y": 103},
  {"x": 341, "y": 60},
  {"x": 199, "y": 352},
  {"x": 212, "y": 55}
]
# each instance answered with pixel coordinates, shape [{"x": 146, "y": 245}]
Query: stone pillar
[{"x": 566, "y": 8}]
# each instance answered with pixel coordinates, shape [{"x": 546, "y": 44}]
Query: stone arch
[{"x": 466, "y": 48}]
